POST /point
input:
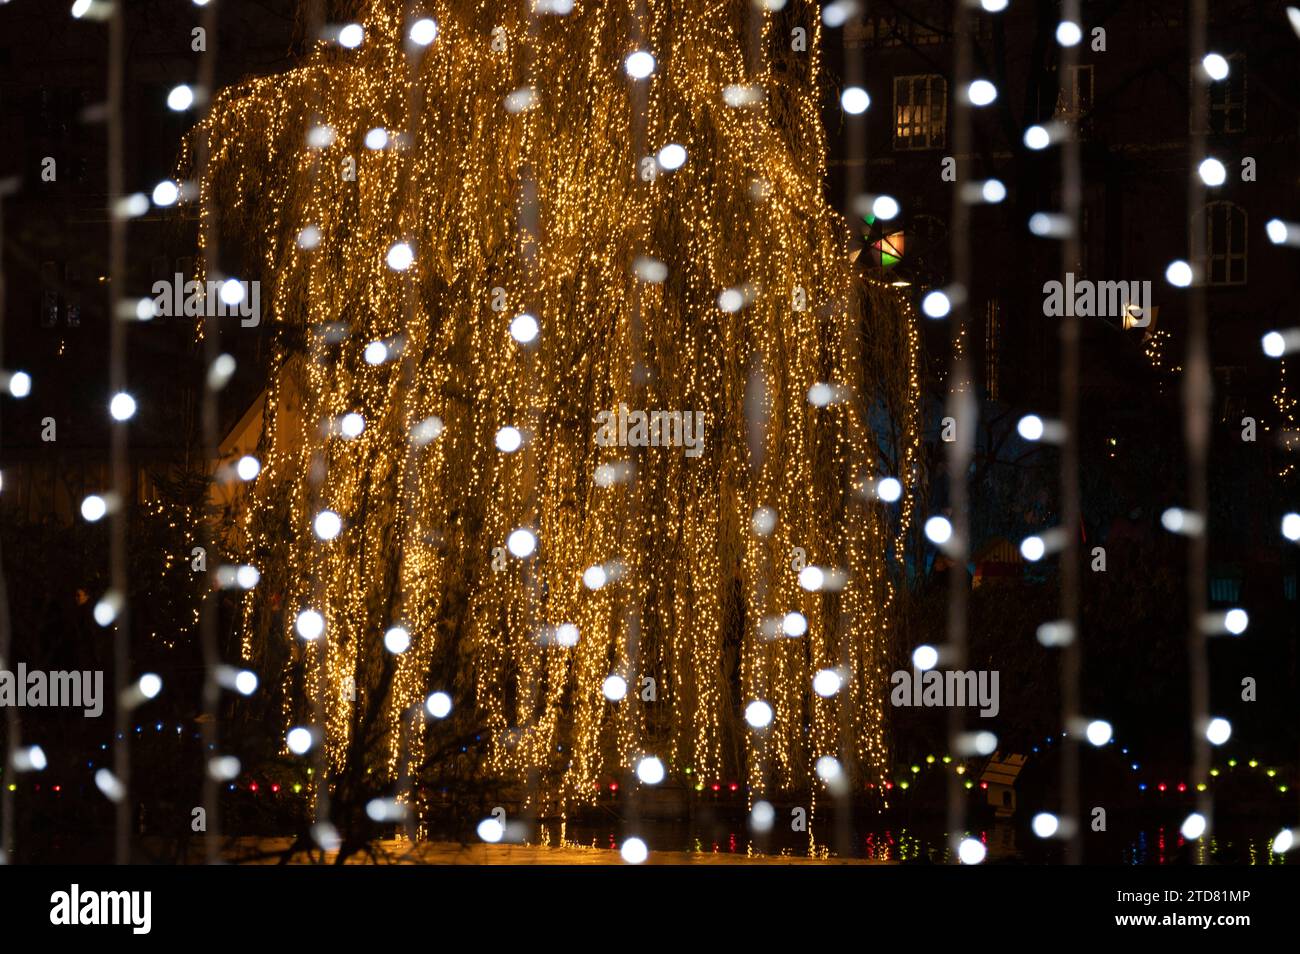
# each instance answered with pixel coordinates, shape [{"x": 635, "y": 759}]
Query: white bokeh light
[
  {"x": 522, "y": 543},
  {"x": 634, "y": 851},
  {"x": 672, "y": 156},
  {"x": 351, "y": 36},
  {"x": 639, "y": 64},
  {"x": 981, "y": 92},
  {"x": 925, "y": 657},
  {"x": 180, "y": 98},
  {"x": 423, "y": 32},
  {"x": 889, "y": 489},
  {"x": 1212, "y": 172},
  {"x": 936, "y": 304},
  {"x": 1068, "y": 33},
  {"x": 524, "y": 328},
  {"x": 299, "y": 740},
  {"x": 827, "y": 682},
  {"x": 1215, "y": 66},
  {"x": 1179, "y": 273},
  {"x": 614, "y": 688},
  {"x": 327, "y": 525},
  {"x": 650, "y": 770},
  {"x": 400, "y": 257},
  {"x": 397, "y": 640},
  {"x": 971, "y": 851},
  {"x": 1193, "y": 826},
  {"x": 855, "y": 100},
  {"x": 1218, "y": 731},
  {"x": 310, "y": 624},
  {"x": 938, "y": 530},
  {"x": 509, "y": 439},
  {"x": 1098, "y": 732},
  {"x": 758, "y": 714},
  {"x": 122, "y": 406},
  {"x": 1045, "y": 824}
]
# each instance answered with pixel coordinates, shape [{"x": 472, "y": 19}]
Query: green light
[
  {"x": 947, "y": 759},
  {"x": 1214, "y": 772},
  {"x": 1253, "y": 763},
  {"x": 915, "y": 769},
  {"x": 1232, "y": 763},
  {"x": 904, "y": 784},
  {"x": 969, "y": 783},
  {"x": 1271, "y": 772},
  {"x": 929, "y": 760}
]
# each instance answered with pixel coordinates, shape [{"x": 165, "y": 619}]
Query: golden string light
[{"x": 428, "y": 501}]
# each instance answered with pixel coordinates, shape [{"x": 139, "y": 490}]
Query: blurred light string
[
  {"x": 8, "y": 768},
  {"x": 1197, "y": 398},
  {"x": 1071, "y": 509},
  {"x": 209, "y": 239},
  {"x": 121, "y": 476},
  {"x": 962, "y": 409}
]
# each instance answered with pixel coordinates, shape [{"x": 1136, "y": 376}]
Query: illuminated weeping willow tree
[{"x": 515, "y": 171}]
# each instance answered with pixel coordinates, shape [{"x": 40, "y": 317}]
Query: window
[
  {"x": 991, "y": 348},
  {"x": 920, "y": 111},
  {"x": 1227, "y": 106},
  {"x": 49, "y": 310},
  {"x": 924, "y": 29},
  {"x": 1074, "y": 99},
  {"x": 1225, "y": 244}
]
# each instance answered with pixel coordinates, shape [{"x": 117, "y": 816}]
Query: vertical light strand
[
  {"x": 1071, "y": 510},
  {"x": 322, "y": 827},
  {"x": 121, "y": 477},
  {"x": 528, "y": 247},
  {"x": 637, "y": 388},
  {"x": 1196, "y": 412},
  {"x": 12, "y": 736},
  {"x": 961, "y": 408},
  {"x": 855, "y": 183},
  {"x": 210, "y": 239},
  {"x": 855, "y": 173},
  {"x": 758, "y": 552},
  {"x": 405, "y": 717}
]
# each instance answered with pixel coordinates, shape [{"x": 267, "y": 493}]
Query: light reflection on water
[{"x": 1006, "y": 843}]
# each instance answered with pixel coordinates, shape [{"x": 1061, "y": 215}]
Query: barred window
[
  {"x": 1225, "y": 244},
  {"x": 1228, "y": 98},
  {"x": 920, "y": 111}
]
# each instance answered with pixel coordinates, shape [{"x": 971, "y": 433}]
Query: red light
[
  {"x": 1182, "y": 786},
  {"x": 252, "y": 787},
  {"x": 717, "y": 787},
  {"x": 1161, "y": 786},
  {"x": 58, "y": 788},
  {"x": 984, "y": 785},
  {"x": 613, "y": 786},
  {"x": 888, "y": 786},
  {"x": 734, "y": 786},
  {"x": 275, "y": 787}
]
